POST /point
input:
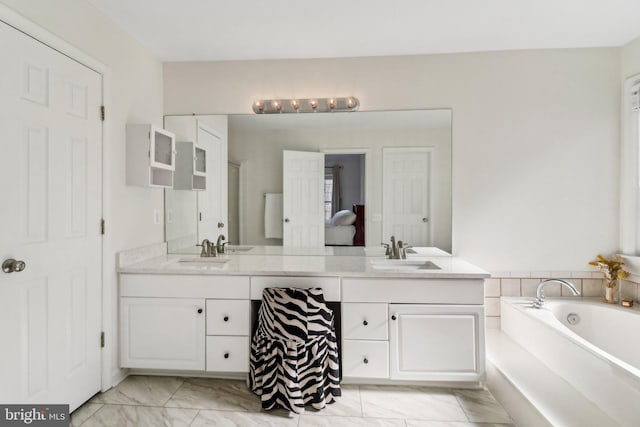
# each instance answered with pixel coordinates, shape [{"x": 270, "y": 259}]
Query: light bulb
[
  {"x": 259, "y": 106},
  {"x": 313, "y": 103},
  {"x": 276, "y": 105},
  {"x": 332, "y": 103},
  {"x": 351, "y": 102},
  {"x": 295, "y": 105}
]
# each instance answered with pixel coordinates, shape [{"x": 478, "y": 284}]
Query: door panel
[
  {"x": 406, "y": 195},
  {"x": 50, "y": 132},
  {"x": 303, "y": 199},
  {"x": 212, "y": 202}
]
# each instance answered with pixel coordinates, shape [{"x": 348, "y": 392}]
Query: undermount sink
[
  {"x": 403, "y": 264},
  {"x": 233, "y": 249},
  {"x": 206, "y": 260}
]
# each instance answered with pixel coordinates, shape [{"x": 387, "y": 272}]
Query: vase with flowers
[{"x": 613, "y": 272}]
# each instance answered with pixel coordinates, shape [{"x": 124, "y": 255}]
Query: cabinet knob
[
  {"x": 225, "y": 318},
  {"x": 365, "y": 323},
  {"x": 393, "y": 317},
  {"x": 221, "y": 225},
  {"x": 199, "y": 311},
  {"x": 365, "y": 361},
  {"x": 226, "y": 355}
]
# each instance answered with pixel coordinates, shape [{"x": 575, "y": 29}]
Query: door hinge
[
  {"x": 102, "y": 339},
  {"x": 102, "y": 226},
  {"x": 102, "y": 112}
]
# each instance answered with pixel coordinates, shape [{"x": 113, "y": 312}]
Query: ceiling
[{"x": 199, "y": 30}]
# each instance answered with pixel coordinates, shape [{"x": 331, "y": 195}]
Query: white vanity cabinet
[
  {"x": 150, "y": 157},
  {"x": 177, "y": 322},
  {"x": 436, "y": 342},
  {"x": 162, "y": 333},
  {"x": 413, "y": 330}
]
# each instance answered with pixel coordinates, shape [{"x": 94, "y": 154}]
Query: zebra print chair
[{"x": 294, "y": 351}]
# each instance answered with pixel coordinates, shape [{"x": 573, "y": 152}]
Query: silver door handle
[{"x": 11, "y": 265}]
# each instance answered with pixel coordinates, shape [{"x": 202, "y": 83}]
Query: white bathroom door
[
  {"x": 303, "y": 199},
  {"x": 212, "y": 202},
  {"x": 405, "y": 195},
  {"x": 50, "y": 213}
]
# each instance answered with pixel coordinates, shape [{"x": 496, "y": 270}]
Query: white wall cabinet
[
  {"x": 163, "y": 333},
  {"x": 150, "y": 157}
]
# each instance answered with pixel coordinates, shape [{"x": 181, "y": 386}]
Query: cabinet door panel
[
  {"x": 162, "y": 333},
  {"x": 436, "y": 342}
]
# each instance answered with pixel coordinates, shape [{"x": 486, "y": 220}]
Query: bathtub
[{"x": 593, "y": 346}]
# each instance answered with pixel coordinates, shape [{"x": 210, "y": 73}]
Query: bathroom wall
[
  {"x": 135, "y": 96},
  {"x": 631, "y": 58},
  {"x": 535, "y": 137}
]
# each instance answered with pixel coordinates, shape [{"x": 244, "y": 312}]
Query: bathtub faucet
[{"x": 539, "y": 301}]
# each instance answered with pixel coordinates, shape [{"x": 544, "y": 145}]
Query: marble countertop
[{"x": 306, "y": 265}]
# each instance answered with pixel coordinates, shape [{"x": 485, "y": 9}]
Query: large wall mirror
[{"x": 391, "y": 170}]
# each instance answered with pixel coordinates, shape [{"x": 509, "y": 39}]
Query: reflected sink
[{"x": 403, "y": 264}]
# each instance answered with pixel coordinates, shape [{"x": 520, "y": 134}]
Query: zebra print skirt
[{"x": 294, "y": 352}]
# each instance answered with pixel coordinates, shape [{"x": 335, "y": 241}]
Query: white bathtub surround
[{"x": 597, "y": 356}]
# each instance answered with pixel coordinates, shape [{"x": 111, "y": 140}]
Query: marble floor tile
[
  {"x": 481, "y": 406},
  {"x": 140, "y": 416},
  {"x": 207, "y": 393},
  {"x": 140, "y": 390},
  {"x": 312, "y": 421},
  {"x": 244, "y": 419},
  {"x": 425, "y": 423},
  {"x": 347, "y": 405},
  {"x": 422, "y": 403},
  {"x": 81, "y": 414}
]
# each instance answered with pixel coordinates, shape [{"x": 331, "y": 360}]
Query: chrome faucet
[
  {"x": 393, "y": 249},
  {"x": 539, "y": 301},
  {"x": 208, "y": 249},
  {"x": 219, "y": 244},
  {"x": 402, "y": 249}
]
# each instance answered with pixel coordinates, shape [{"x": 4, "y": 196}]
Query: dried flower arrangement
[{"x": 612, "y": 269}]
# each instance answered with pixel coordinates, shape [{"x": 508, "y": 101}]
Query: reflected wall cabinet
[
  {"x": 151, "y": 156},
  {"x": 191, "y": 167}
]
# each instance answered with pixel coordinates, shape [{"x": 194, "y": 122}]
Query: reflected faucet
[
  {"x": 539, "y": 301},
  {"x": 219, "y": 244},
  {"x": 208, "y": 250}
]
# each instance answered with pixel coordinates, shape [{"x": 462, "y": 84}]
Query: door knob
[
  {"x": 286, "y": 220},
  {"x": 11, "y": 265},
  {"x": 425, "y": 219},
  {"x": 221, "y": 225}
]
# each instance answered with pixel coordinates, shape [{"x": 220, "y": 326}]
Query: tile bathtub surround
[{"x": 173, "y": 401}]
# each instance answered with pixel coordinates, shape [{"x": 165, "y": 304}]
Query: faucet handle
[{"x": 387, "y": 250}]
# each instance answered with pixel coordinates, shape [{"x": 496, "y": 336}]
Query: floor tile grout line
[
  {"x": 194, "y": 418},
  {"x": 174, "y": 392}
]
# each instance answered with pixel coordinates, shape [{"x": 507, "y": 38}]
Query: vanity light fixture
[{"x": 311, "y": 105}]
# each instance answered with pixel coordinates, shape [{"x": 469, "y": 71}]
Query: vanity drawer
[
  {"x": 184, "y": 286},
  {"x": 227, "y": 354},
  {"x": 365, "y": 359},
  {"x": 329, "y": 285},
  {"x": 414, "y": 291},
  {"x": 228, "y": 317},
  {"x": 363, "y": 321}
]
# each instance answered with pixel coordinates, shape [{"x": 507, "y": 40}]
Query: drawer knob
[
  {"x": 393, "y": 317},
  {"x": 226, "y": 355},
  {"x": 365, "y": 360},
  {"x": 365, "y": 323},
  {"x": 225, "y": 318},
  {"x": 199, "y": 311}
]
